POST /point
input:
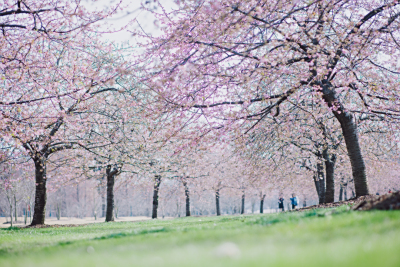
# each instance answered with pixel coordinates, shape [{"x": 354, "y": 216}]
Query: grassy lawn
[{"x": 312, "y": 238}]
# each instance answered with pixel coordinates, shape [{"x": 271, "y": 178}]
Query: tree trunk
[
  {"x": 110, "y": 192},
  {"x": 321, "y": 183},
  {"x": 341, "y": 191},
  {"x": 101, "y": 192},
  {"x": 103, "y": 208},
  {"x": 262, "y": 202},
  {"x": 349, "y": 129},
  {"x": 157, "y": 182},
  {"x": 316, "y": 182},
  {"x": 77, "y": 193},
  {"x": 30, "y": 211},
  {"x": 330, "y": 176},
  {"x": 26, "y": 214},
  {"x": 187, "y": 197},
  {"x": 217, "y": 202},
  {"x": 39, "y": 212},
  {"x": 58, "y": 211},
  {"x": 242, "y": 210},
  {"x": 15, "y": 208},
  {"x": 11, "y": 212}
]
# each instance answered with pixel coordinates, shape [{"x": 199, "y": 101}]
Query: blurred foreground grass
[{"x": 312, "y": 238}]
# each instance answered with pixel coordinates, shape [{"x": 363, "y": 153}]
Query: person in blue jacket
[{"x": 295, "y": 201}]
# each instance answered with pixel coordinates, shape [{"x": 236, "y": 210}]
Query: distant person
[
  {"x": 390, "y": 191},
  {"x": 295, "y": 201},
  {"x": 280, "y": 202},
  {"x": 304, "y": 203}
]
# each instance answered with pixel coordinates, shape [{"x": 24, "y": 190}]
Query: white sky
[{"x": 133, "y": 11}]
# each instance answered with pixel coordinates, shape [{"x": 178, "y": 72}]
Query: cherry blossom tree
[
  {"x": 52, "y": 63},
  {"x": 232, "y": 64}
]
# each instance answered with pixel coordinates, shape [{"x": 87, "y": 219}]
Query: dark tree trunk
[
  {"x": 58, "y": 211},
  {"x": 103, "y": 208},
  {"x": 330, "y": 176},
  {"x": 15, "y": 208},
  {"x": 262, "y": 197},
  {"x": 321, "y": 183},
  {"x": 77, "y": 193},
  {"x": 341, "y": 192},
  {"x": 187, "y": 197},
  {"x": 26, "y": 215},
  {"x": 316, "y": 182},
  {"x": 39, "y": 212},
  {"x": 100, "y": 189},
  {"x": 217, "y": 202},
  {"x": 242, "y": 210},
  {"x": 11, "y": 213},
  {"x": 157, "y": 182},
  {"x": 110, "y": 173},
  {"x": 349, "y": 129}
]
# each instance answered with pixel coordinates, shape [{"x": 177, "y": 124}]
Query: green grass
[{"x": 312, "y": 238}]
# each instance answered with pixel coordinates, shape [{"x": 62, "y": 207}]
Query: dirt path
[
  {"x": 386, "y": 202},
  {"x": 65, "y": 221}
]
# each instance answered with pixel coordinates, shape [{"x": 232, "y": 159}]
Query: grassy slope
[{"x": 291, "y": 239}]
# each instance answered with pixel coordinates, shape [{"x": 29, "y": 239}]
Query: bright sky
[{"x": 133, "y": 11}]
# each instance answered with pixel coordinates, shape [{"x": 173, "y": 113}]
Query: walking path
[{"x": 5, "y": 222}]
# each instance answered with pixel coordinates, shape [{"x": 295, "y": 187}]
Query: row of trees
[
  {"x": 88, "y": 199},
  {"x": 200, "y": 187},
  {"x": 233, "y": 94}
]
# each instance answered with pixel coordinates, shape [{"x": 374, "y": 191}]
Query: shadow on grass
[
  {"x": 271, "y": 219},
  {"x": 119, "y": 235},
  {"x": 134, "y": 233},
  {"x": 236, "y": 218},
  {"x": 11, "y": 229}
]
